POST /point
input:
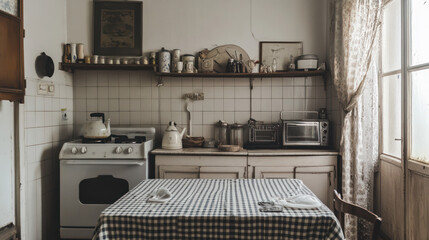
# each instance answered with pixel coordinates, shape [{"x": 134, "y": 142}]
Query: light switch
[
  {"x": 51, "y": 88},
  {"x": 42, "y": 88}
]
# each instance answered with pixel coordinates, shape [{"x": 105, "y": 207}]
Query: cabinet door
[
  {"x": 320, "y": 180},
  {"x": 222, "y": 172},
  {"x": 273, "y": 172},
  {"x": 177, "y": 172},
  {"x": 12, "y": 86}
]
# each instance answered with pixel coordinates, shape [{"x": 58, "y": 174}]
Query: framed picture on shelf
[
  {"x": 279, "y": 55},
  {"x": 118, "y": 28}
]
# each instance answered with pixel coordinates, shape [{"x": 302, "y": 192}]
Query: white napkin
[
  {"x": 298, "y": 201},
  {"x": 160, "y": 195}
]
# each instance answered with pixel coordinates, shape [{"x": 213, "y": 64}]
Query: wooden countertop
[{"x": 245, "y": 152}]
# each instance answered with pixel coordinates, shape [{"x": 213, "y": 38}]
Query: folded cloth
[
  {"x": 160, "y": 195},
  {"x": 298, "y": 201}
]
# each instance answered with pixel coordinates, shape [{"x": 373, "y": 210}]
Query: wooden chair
[{"x": 341, "y": 207}]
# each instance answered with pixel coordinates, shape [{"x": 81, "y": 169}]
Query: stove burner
[
  {"x": 125, "y": 139},
  {"x": 96, "y": 140}
]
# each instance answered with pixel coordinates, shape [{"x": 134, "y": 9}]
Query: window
[
  {"x": 417, "y": 77},
  {"x": 391, "y": 80}
]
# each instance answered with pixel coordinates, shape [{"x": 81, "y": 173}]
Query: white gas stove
[{"x": 96, "y": 173}]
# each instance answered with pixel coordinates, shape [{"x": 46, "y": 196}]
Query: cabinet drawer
[
  {"x": 223, "y": 172},
  {"x": 221, "y": 161},
  {"x": 273, "y": 172},
  {"x": 177, "y": 172}
]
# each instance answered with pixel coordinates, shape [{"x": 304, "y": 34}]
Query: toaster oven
[
  {"x": 301, "y": 133},
  {"x": 263, "y": 135}
]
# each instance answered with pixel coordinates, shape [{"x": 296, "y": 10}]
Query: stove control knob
[
  {"x": 118, "y": 150},
  {"x": 83, "y": 150},
  {"x": 129, "y": 150},
  {"x": 74, "y": 150}
]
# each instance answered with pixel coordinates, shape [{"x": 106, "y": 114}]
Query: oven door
[
  {"x": 87, "y": 187},
  {"x": 301, "y": 133}
]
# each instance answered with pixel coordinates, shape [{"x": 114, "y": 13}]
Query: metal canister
[
  {"x": 164, "y": 57},
  {"x": 236, "y": 134},
  {"x": 175, "y": 59},
  {"x": 221, "y": 131}
]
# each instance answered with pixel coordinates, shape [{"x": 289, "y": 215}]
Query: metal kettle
[
  {"x": 172, "y": 138},
  {"x": 97, "y": 128}
]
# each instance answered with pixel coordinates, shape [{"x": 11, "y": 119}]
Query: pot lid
[
  {"x": 236, "y": 125},
  {"x": 44, "y": 65},
  {"x": 221, "y": 123}
]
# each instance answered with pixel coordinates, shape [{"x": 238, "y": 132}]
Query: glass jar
[
  {"x": 221, "y": 131},
  {"x": 236, "y": 134}
]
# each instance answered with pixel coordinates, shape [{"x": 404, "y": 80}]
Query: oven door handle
[{"x": 105, "y": 162}]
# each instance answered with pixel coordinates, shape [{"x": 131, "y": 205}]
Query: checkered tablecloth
[{"x": 215, "y": 209}]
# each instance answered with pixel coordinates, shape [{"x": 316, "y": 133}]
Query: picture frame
[
  {"x": 118, "y": 28},
  {"x": 281, "y": 52}
]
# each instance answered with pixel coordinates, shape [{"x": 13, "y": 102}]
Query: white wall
[
  {"x": 192, "y": 25},
  {"x": 7, "y": 181},
  {"x": 45, "y": 25}
]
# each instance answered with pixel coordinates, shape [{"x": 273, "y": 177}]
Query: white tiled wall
[
  {"x": 45, "y": 132},
  {"x": 133, "y": 98}
]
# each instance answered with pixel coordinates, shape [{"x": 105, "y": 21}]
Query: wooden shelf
[
  {"x": 70, "y": 67},
  {"x": 246, "y": 75}
]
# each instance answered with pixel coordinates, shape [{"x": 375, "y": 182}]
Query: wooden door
[
  {"x": 273, "y": 172},
  {"x": 320, "y": 180},
  {"x": 178, "y": 172},
  {"x": 222, "y": 172},
  {"x": 12, "y": 86}
]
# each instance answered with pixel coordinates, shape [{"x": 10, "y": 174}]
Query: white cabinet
[
  {"x": 317, "y": 172},
  {"x": 320, "y": 180},
  {"x": 208, "y": 167}
]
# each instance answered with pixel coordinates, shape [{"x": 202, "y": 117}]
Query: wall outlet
[{"x": 64, "y": 116}]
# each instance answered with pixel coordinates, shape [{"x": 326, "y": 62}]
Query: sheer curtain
[{"x": 354, "y": 31}]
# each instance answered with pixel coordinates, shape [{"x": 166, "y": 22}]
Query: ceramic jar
[
  {"x": 188, "y": 63},
  {"x": 80, "y": 54},
  {"x": 175, "y": 59},
  {"x": 73, "y": 52},
  {"x": 164, "y": 57}
]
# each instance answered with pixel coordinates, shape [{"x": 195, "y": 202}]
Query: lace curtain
[{"x": 354, "y": 36}]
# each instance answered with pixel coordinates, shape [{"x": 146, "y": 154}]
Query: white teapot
[{"x": 172, "y": 138}]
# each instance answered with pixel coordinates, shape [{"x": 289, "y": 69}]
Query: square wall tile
[{"x": 242, "y": 105}]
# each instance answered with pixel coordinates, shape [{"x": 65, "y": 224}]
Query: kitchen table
[{"x": 215, "y": 209}]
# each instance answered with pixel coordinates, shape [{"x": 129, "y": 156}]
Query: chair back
[{"x": 341, "y": 207}]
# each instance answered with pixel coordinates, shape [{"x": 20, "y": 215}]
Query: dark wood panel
[
  {"x": 12, "y": 85},
  {"x": 9, "y": 53}
]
